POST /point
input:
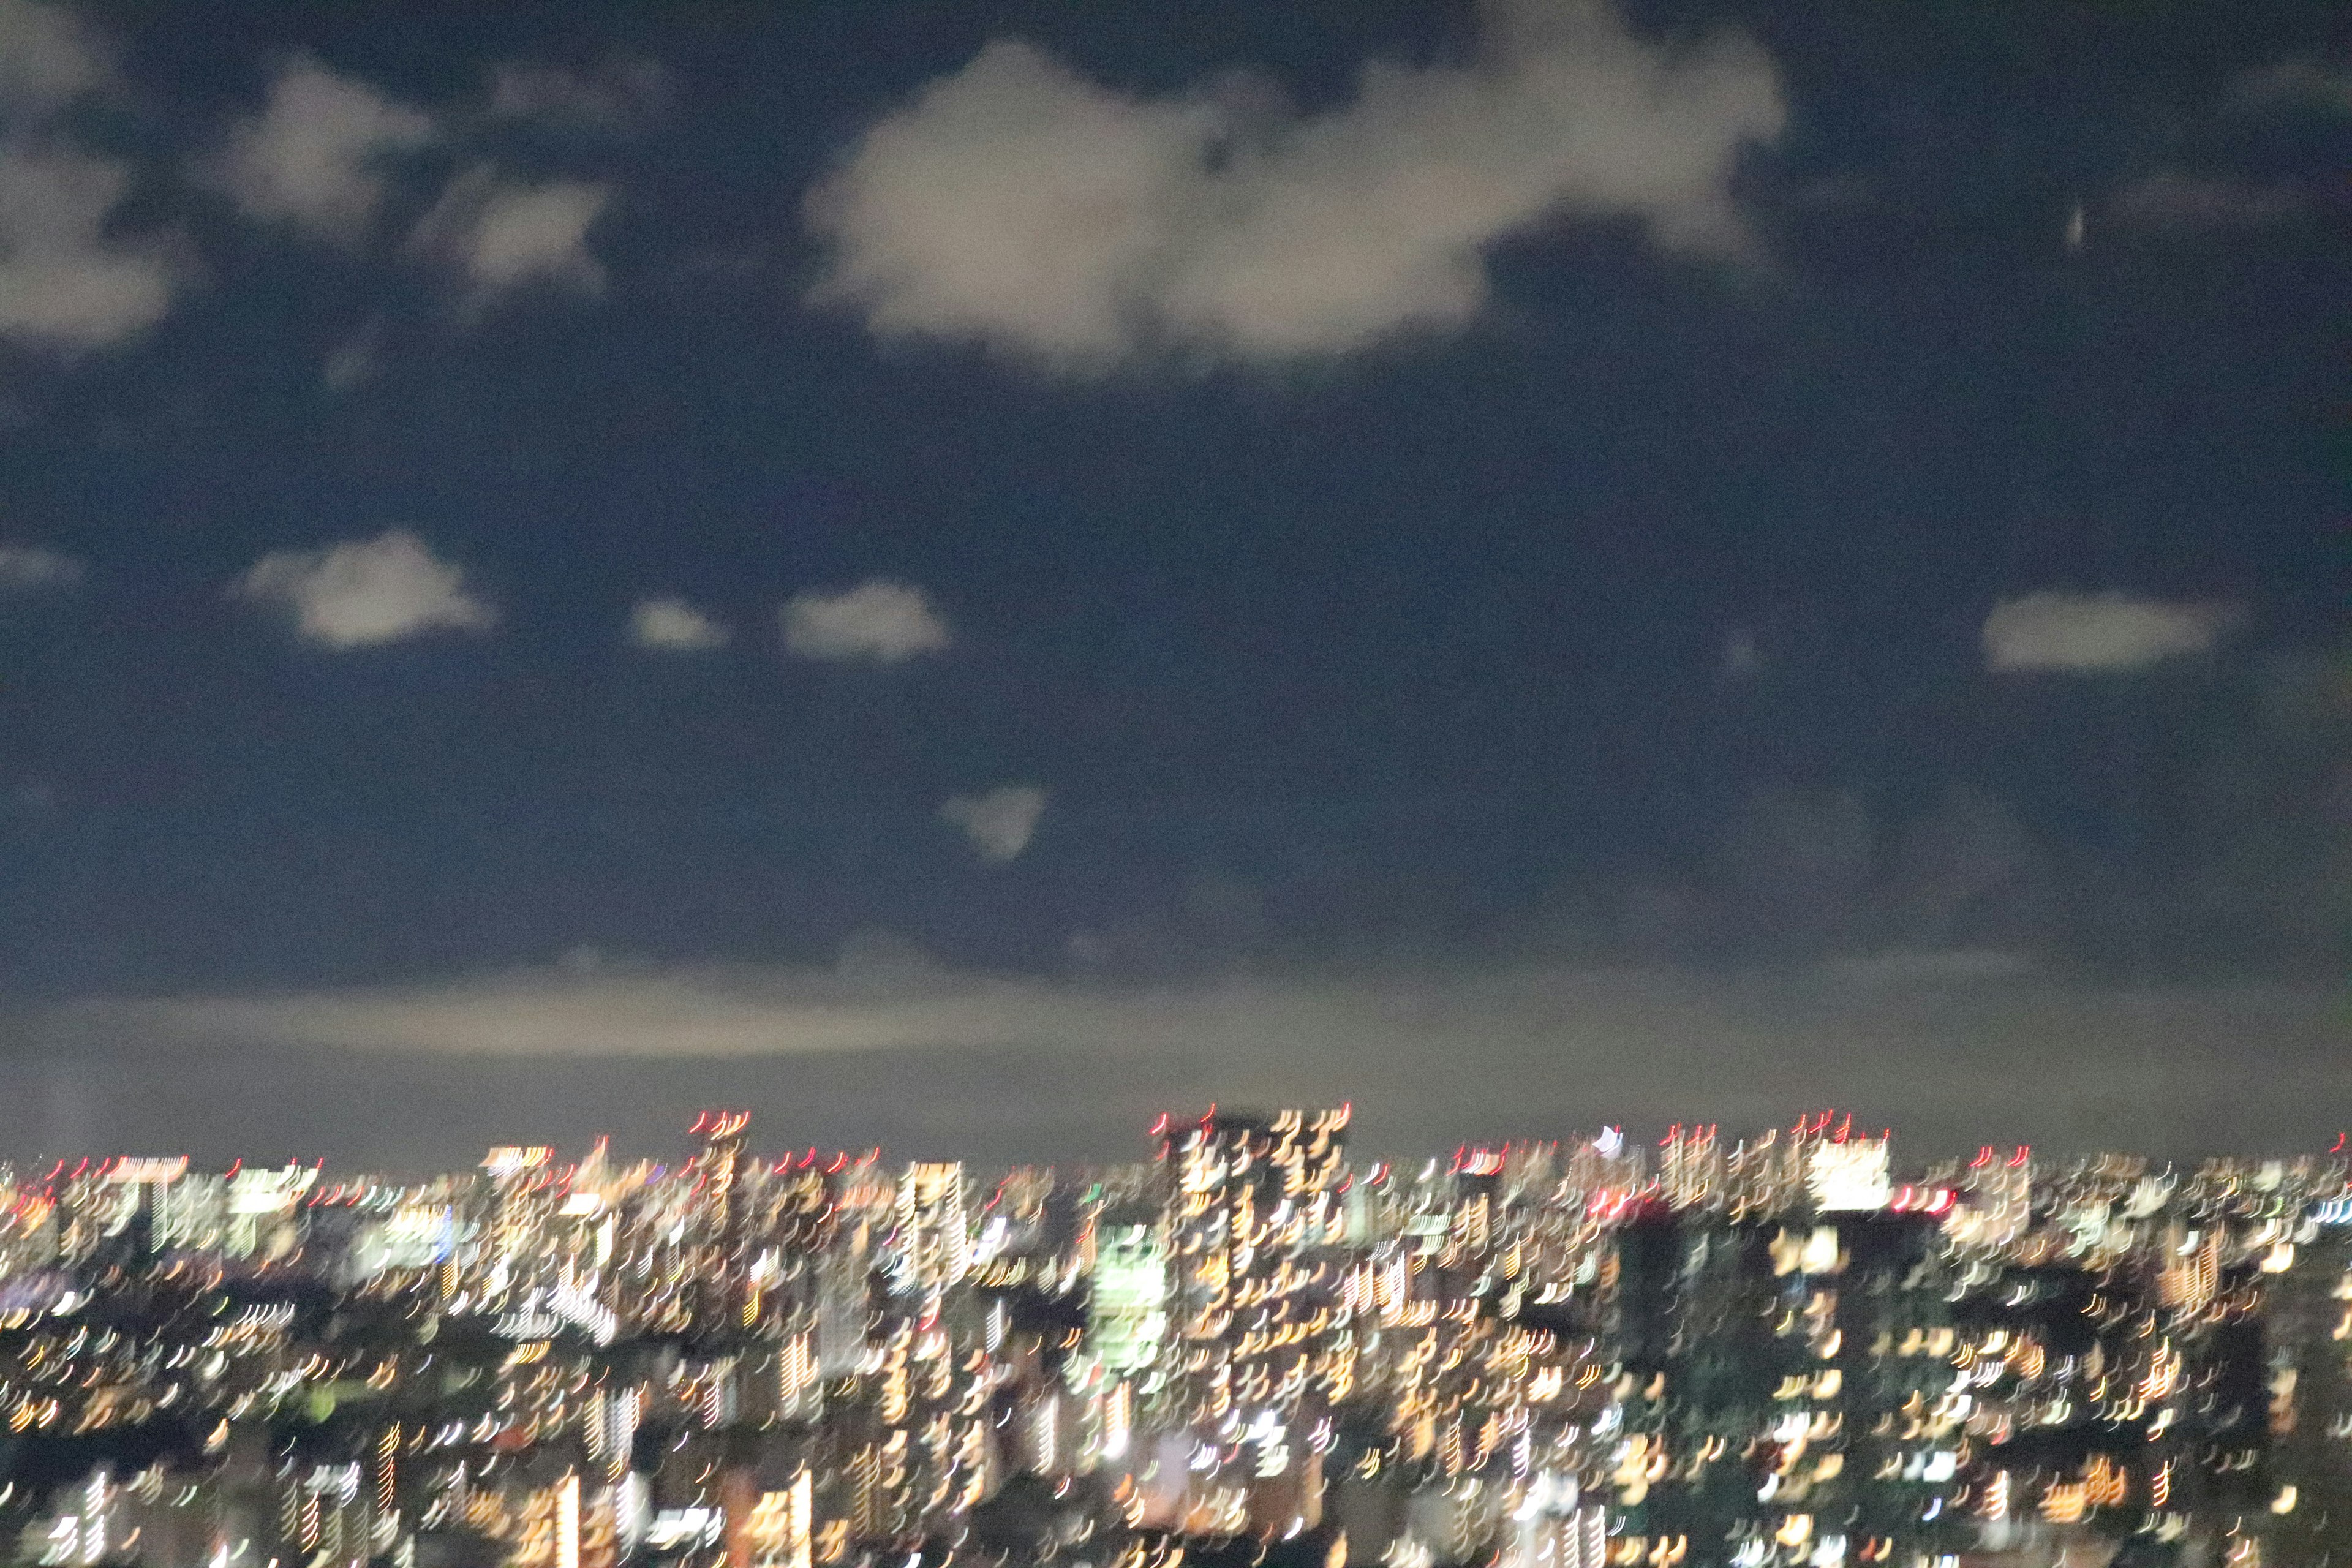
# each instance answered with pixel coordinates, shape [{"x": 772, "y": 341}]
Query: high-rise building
[
  {"x": 718, "y": 1169},
  {"x": 715, "y": 1259},
  {"x": 934, "y": 1240},
  {"x": 1127, "y": 1310},
  {"x": 1254, "y": 1237}
]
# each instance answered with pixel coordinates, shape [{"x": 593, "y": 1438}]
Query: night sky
[{"x": 957, "y": 573}]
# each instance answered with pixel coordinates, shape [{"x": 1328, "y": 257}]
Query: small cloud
[
  {"x": 2093, "y": 634},
  {"x": 366, "y": 592},
  {"x": 998, "y": 823},
  {"x": 674, "y": 626},
  {"x": 2174, "y": 200},
  {"x": 879, "y": 620},
  {"x": 314, "y": 156},
  {"x": 64, "y": 284},
  {"x": 1018, "y": 205},
  {"x": 502, "y": 234},
  {"x": 29, "y": 569}
]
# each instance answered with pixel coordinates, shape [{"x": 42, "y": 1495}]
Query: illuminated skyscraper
[
  {"x": 934, "y": 1240},
  {"x": 716, "y": 1257},
  {"x": 1257, "y": 1212},
  {"x": 510, "y": 1256},
  {"x": 1691, "y": 1167},
  {"x": 718, "y": 1168},
  {"x": 1128, "y": 1314},
  {"x": 926, "y": 1458},
  {"x": 2309, "y": 1404},
  {"x": 1849, "y": 1176},
  {"x": 263, "y": 1219},
  {"x": 864, "y": 1200}
]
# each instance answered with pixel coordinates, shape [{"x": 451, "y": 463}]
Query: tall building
[
  {"x": 934, "y": 1242},
  {"x": 716, "y": 1258},
  {"x": 718, "y": 1169},
  {"x": 1127, "y": 1322},
  {"x": 1253, "y": 1239}
]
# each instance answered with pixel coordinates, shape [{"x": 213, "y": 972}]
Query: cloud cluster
[
  {"x": 672, "y": 626},
  {"x": 2097, "y": 633},
  {"x": 998, "y": 823},
  {"x": 1018, "y": 205},
  {"x": 363, "y": 593},
  {"x": 67, "y": 283},
  {"x": 316, "y": 154},
  {"x": 321, "y": 156},
  {"x": 877, "y": 622}
]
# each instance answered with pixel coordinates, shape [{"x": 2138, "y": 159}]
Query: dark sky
[{"x": 962, "y": 567}]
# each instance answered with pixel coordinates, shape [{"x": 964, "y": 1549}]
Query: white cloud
[
  {"x": 500, "y": 233},
  {"x": 879, "y": 620},
  {"x": 2088, "y": 634},
  {"x": 1018, "y": 205},
  {"x": 66, "y": 282},
  {"x": 30, "y": 569},
  {"x": 998, "y": 823},
  {"x": 314, "y": 155},
  {"x": 674, "y": 626},
  {"x": 365, "y": 592}
]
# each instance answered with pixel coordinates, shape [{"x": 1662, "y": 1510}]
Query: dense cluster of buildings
[{"x": 1703, "y": 1352}]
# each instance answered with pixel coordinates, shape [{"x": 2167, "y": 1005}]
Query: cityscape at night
[
  {"x": 1246, "y": 1346},
  {"x": 880, "y": 783}
]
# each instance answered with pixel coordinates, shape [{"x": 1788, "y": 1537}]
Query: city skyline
[
  {"x": 721, "y": 1141},
  {"x": 1253, "y": 1343},
  {"x": 1143, "y": 766}
]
